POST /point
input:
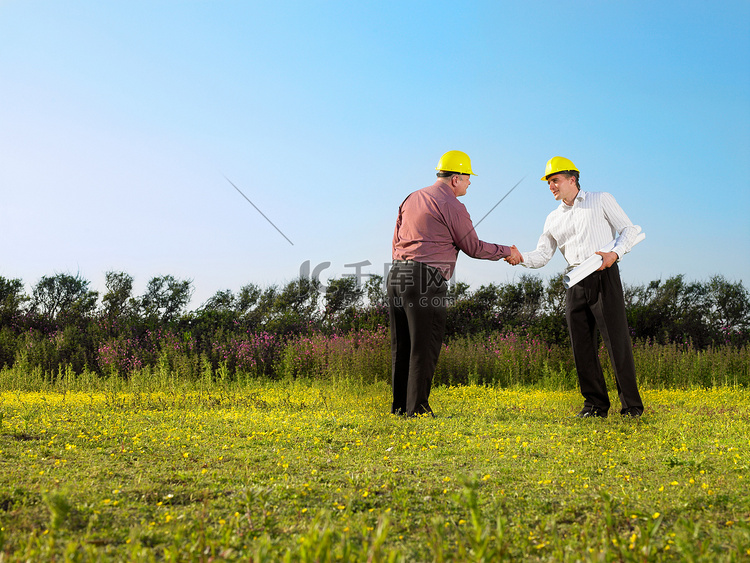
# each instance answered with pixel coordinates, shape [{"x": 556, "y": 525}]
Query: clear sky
[{"x": 121, "y": 121}]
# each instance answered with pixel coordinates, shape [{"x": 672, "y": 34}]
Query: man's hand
[
  {"x": 608, "y": 258},
  {"x": 515, "y": 257}
]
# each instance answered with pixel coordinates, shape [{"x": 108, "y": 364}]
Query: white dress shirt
[{"x": 581, "y": 229}]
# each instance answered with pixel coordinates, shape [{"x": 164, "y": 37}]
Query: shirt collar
[{"x": 580, "y": 196}]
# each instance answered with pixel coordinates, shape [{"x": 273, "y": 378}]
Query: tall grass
[
  {"x": 361, "y": 356},
  {"x": 505, "y": 360},
  {"x": 660, "y": 366},
  {"x": 498, "y": 359}
]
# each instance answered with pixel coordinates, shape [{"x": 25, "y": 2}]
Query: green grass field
[{"x": 319, "y": 471}]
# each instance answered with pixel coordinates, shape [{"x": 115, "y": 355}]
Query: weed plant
[
  {"x": 157, "y": 467},
  {"x": 504, "y": 359},
  {"x": 496, "y": 358},
  {"x": 362, "y": 356},
  {"x": 682, "y": 365}
]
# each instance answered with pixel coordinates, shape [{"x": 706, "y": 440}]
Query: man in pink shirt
[{"x": 431, "y": 228}]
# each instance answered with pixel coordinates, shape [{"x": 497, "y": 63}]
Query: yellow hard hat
[
  {"x": 455, "y": 161},
  {"x": 558, "y": 164}
]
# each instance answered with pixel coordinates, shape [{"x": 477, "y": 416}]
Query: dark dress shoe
[{"x": 632, "y": 412}]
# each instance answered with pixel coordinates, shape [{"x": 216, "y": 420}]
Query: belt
[{"x": 407, "y": 262}]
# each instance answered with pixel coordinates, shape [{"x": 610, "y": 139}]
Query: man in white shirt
[{"x": 583, "y": 223}]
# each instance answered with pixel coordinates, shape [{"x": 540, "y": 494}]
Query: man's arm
[
  {"x": 465, "y": 237},
  {"x": 545, "y": 250},
  {"x": 627, "y": 231}
]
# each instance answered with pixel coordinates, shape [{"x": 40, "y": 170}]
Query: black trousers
[
  {"x": 597, "y": 302},
  {"x": 417, "y": 311}
]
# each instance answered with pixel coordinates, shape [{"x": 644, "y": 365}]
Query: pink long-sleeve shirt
[{"x": 431, "y": 228}]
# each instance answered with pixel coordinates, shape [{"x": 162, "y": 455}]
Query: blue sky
[{"x": 120, "y": 123}]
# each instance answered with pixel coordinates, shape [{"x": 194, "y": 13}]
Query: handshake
[{"x": 515, "y": 257}]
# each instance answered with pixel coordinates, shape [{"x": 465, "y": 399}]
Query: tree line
[{"x": 63, "y": 322}]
